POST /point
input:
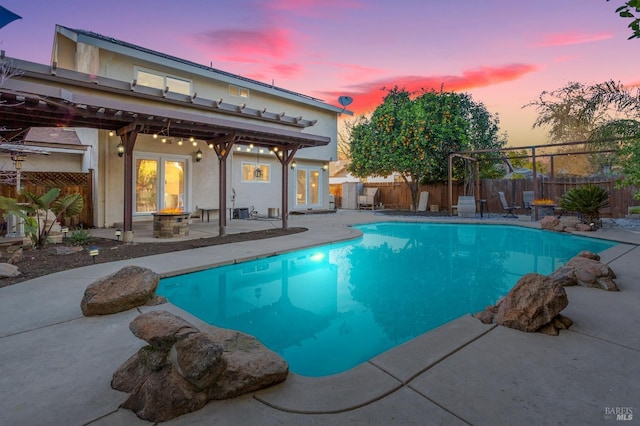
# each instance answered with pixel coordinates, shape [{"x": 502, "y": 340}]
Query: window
[
  {"x": 254, "y": 172},
  {"x": 238, "y": 91},
  {"x": 160, "y": 81}
]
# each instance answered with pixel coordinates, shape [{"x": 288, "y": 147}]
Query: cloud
[
  {"x": 287, "y": 70},
  {"x": 565, "y": 39},
  {"x": 266, "y": 42},
  {"x": 366, "y": 96},
  {"x": 311, "y": 7}
]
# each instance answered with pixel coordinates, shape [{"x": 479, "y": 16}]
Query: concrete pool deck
[{"x": 56, "y": 365}]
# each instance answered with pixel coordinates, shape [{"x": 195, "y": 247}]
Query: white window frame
[
  {"x": 165, "y": 77},
  {"x": 161, "y": 158},
  {"x": 308, "y": 170},
  {"x": 255, "y": 165}
]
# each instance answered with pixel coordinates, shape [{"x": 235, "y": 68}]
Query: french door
[
  {"x": 160, "y": 183},
  {"x": 308, "y": 191}
]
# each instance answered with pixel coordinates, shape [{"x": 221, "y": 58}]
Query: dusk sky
[{"x": 503, "y": 52}]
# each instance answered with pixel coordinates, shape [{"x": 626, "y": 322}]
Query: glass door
[
  {"x": 159, "y": 184},
  {"x": 146, "y": 186},
  {"x": 174, "y": 189},
  {"x": 308, "y": 187}
]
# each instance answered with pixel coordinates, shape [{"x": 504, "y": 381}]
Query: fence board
[{"x": 69, "y": 183}]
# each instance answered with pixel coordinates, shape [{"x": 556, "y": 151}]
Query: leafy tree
[
  {"x": 599, "y": 112},
  {"x": 34, "y": 211},
  {"x": 568, "y": 113},
  {"x": 628, "y": 154},
  {"x": 413, "y": 136},
  {"x": 625, "y": 11},
  {"x": 522, "y": 160}
]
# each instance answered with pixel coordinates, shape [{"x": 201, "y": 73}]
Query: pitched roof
[{"x": 110, "y": 43}]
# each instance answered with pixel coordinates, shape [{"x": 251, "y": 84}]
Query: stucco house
[{"x": 192, "y": 135}]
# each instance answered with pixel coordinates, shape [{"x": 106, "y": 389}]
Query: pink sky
[{"x": 503, "y": 52}]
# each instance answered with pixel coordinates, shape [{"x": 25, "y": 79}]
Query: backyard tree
[
  {"x": 414, "y": 135},
  {"x": 606, "y": 113},
  {"x": 626, "y": 11}
]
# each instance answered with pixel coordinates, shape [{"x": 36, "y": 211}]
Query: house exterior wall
[
  {"x": 202, "y": 177},
  {"x": 64, "y": 162}
]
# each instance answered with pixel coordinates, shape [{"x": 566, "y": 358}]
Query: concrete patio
[{"x": 56, "y": 365}]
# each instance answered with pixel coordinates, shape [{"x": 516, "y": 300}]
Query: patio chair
[
  {"x": 509, "y": 208},
  {"x": 527, "y": 199},
  {"x": 369, "y": 197}
]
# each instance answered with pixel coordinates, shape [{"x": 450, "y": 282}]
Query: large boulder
[
  {"x": 183, "y": 367},
  {"x": 533, "y": 304},
  {"x": 130, "y": 287},
  {"x": 586, "y": 270}
]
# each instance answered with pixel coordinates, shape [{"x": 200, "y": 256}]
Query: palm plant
[
  {"x": 586, "y": 201},
  {"x": 35, "y": 210}
]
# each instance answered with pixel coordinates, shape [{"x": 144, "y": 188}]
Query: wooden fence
[
  {"x": 41, "y": 182},
  {"x": 396, "y": 195}
]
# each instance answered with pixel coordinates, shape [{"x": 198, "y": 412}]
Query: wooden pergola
[
  {"x": 468, "y": 155},
  {"x": 43, "y": 96}
]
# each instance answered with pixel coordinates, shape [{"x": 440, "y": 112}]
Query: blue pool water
[{"x": 330, "y": 308}]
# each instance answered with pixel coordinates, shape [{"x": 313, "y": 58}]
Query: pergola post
[
  {"x": 222, "y": 147},
  {"x": 285, "y": 157},
  {"x": 128, "y": 135}
]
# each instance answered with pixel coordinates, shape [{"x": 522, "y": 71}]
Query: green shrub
[
  {"x": 586, "y": 201},
  {"x": 80, "y": 236}
]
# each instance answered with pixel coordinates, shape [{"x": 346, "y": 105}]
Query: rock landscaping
[
  {"x": 130, "y": 287},
  {"x": 182, "y": 368},
  {"x": 535, "y": 302}
]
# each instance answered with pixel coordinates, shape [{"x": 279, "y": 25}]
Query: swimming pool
[{"x": 330, "y": 308}]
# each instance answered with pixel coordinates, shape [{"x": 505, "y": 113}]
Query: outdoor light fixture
[
  {"x": 118, "y": 234},
  {"x": 93, "y": 252},
  {"x": 111, "y": 133},
  {"x": 17, "y": 159},
  {"x": 65, "y": 231},
  {"x": 293, "y": 165},
  {"x": 198, "y": 156},
  {"x": 325, "y": 167},
  {"x": 120, "y": 149},
  {"x": 258, "y": 173}
]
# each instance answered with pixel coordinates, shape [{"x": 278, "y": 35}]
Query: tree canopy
[
  {"x": 626, "y": 11},
  {"x": 607, "y": 113},
  {"x": 413, "y": 135}
]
